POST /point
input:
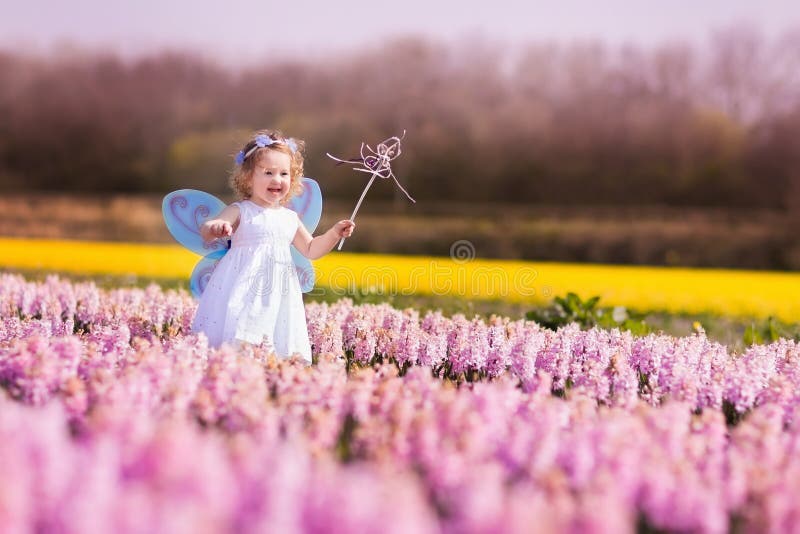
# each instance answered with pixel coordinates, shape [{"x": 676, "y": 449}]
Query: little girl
[{"x": 254, "y": 294}]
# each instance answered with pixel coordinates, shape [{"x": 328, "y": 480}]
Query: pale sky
[{"x": 250, "y": 30}]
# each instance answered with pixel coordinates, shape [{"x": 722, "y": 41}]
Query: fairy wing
[
  {"x": 308, "y": 206},
  {"x": 202, "y": 272},
  {"x": 184, "y": 212},
  {"x": 187, "y": 209},
  {"x": 305, "y": 271}
]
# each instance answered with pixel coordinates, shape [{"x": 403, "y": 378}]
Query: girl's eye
[
  {"x": 267, "y": 172},
  {"x": 284, "y": 174}
]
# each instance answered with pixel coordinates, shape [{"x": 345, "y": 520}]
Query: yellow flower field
[{"x": 728, "y": 292}]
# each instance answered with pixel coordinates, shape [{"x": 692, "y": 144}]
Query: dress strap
[{"x": 242, "y": 204}]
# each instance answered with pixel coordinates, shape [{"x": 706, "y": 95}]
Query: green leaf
[
  {"x": 592, "y": 302},
  {"x": 751, "y": 336}
]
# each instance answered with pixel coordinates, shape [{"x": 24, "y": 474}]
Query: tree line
[{"x": 579, "y": 123}]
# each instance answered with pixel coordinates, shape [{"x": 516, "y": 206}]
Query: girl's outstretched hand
[
  {"x": 344, "y": 228},
  {"x": 220, "y": 229}
]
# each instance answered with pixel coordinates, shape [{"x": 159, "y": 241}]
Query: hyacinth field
[{"x": 113, "y": 418}]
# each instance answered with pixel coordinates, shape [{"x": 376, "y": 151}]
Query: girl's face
[{"x": 271, "y": 178}]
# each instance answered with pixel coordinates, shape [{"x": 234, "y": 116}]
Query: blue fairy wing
[
  {"x": 202, "y": 272},
  {"x": 185, "y": 211},
  {"x": 308, "y": 205},
  {"x": 305, "y": 272}
]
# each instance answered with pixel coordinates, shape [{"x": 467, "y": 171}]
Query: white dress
[{"x": 254, "y": 294}]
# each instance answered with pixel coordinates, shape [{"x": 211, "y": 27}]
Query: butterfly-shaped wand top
[{"x": 377, "y": 162}]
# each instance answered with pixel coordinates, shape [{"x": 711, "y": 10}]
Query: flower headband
[{"x": 263, "y": 141}]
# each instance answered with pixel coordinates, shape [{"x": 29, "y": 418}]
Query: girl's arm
[
  {"x": 223, "y": 225},
  {"x": 316, "y": 247}
]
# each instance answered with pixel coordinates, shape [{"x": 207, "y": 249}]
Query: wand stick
[{"x": 358, "y": 205}]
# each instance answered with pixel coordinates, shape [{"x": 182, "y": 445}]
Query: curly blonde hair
[{"x": 241, "y": 180}]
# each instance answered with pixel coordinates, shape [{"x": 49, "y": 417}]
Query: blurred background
[{"x": 631, "y": 132}]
